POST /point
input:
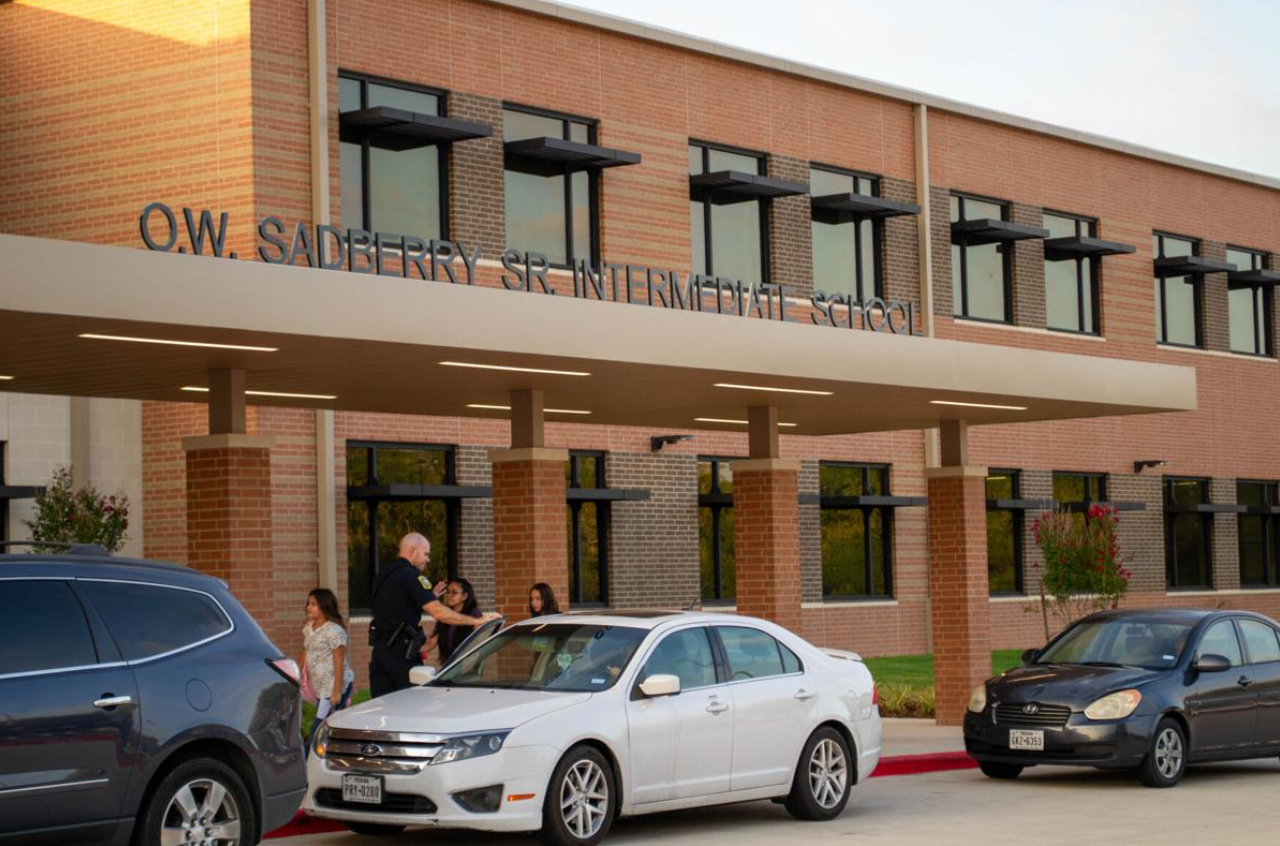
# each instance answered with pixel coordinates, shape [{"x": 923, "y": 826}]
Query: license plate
[
  {"x": 1031, "y": 741},
  {"x": 362, "y": 788}
]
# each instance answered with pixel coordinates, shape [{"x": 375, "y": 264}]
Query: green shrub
[{"x": 66, "y": 515}]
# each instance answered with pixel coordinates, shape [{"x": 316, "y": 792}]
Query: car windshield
[
  {"x": 552, "y": 656},
  {"x": 1149, "y": 644}
]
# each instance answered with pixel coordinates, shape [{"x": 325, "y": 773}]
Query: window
[
  {"x": 1221, "y": 640},
  {"x": 394, "y": 489},
  {"x": 550, "y": 208},
  {"x": 845, "y": 247},
  {"x": 1004, "y": 533},
  {"x": 715, "y": 530},
  {"x": 980, "y": 272},
  {"x": 392, "y": 190},
  {"x": 727, "y": 230},
  {"x": 1249, "y": 305},
  {"x": 752, "y": 654},
  {"x": 1071, "y": 285},
  {"x": 588, "y": 526},
  {"x": 1178, "y": 318},
  {"x": 4, "y": 499},
  {"x": 150, "y": 620},
  {"x": 855, "y": 537},
  {"x": 1186, "y": 540},
  {"x": 1261, "y": 641},
  {"x": 42, "y": 627},
  {"x": 685, "y": 654},
  {"x": 1259, "y": 535}
]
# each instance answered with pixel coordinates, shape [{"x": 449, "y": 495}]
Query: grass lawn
[{"x": 906, "y": 681}]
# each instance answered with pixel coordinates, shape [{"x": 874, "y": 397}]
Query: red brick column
[
  {"x": 530, "y": 539},
  {"x": 229, "y": 516},
  {"x": 766, "y": 528},
  {"x": 958, "y": 591}
]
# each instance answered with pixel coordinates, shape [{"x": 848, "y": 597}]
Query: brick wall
[
  {"x": 940, "y": 232},
  {"x": 899, "y": 245},
  {"x": 476, "y": 177},
  {"x": 653, "y": 549},
  {"x": 790, "y": 229},
  {"x": 767, "y": 542},
  {"x": 1212, "y": 293},
  {"x": 1027, "y": 267}
]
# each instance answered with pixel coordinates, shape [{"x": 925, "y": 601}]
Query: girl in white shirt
[{"x": 324, "y": 655}]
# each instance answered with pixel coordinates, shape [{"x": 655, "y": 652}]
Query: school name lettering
[{"x": 325, "y": 247}]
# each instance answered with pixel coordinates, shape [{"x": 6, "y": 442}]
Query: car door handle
[
  {"x": 108, "y": 701},
  {"x": 717, "y": 708},
  {"x": 1245, "y": 681},
  {"x": 804, "y": 695}
]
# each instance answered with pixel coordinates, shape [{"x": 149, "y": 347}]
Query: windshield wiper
[{"x": 1103, "y": 664}]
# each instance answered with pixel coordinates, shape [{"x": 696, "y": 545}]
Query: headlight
[
  {"x": 1114, "y": 706},
  {"x": 978, "y": 699},
  {"x": 320, "y": 743},
  {"x": 471, "y": 746}
]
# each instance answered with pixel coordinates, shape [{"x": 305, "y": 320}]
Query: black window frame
[
  {"x": 1006, "y": 255},
  {"x": 1088, "y": 477},
  {"x": 1172, "y": 512},
  {"x": 1019, "y": 585},
  {"x": 887, "y": 535},
  {"x": 716, "y": 501},
  {"x": 1260, "y": 260},
  {"x": 603, "y": 520},
  {"x": 1197, "y": 299},
  {"x": 452, "y": 507},
  {"x": 1085, "y": 227},
  {"x": 762, "y": 166},
  {"x": 4, "y": 500},
  {"x": 1270, "y": 530},
  {"x": 445, "y": 150},
  {"x": 877, "y": 231},
  {"x": 593, "y": 184}
]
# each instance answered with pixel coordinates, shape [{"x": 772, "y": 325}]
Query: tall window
[
  {"x": 1178, "y": 318},
  {"x": 845, "y": 247},
  {"x": 1070, "y": 285},
  {"x": 715, "y": 530},
  {"x": 1249, "y": 305},
  {"x": 1186, "y": 534},
  {"x": 856, "y": 546},
  {"x": 1259, "y": 535},
  {"x": 385, "y": 188},
  {"x": 392, "y": 490},
  {"x": 727, "y": 230},
  {"x": 980, "y": 272},
  {"x": 550, "y": 208},
  {"x": 588, "y": 526},
  {"x": 1004, "y": 533}
]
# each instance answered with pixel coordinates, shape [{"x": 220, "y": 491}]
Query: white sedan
[{"x": 561, "y": 724}]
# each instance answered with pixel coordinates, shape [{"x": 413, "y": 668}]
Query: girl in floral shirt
[{"x": 324, "y": 656}]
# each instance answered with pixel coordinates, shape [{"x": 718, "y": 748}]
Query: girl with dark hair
[
  {"x": 542, "y": 601},
  {"x": 324, "y": 661},
  {"x": 461, "y": 597}
]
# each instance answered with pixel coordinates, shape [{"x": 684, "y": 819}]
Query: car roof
[
  {"x": 1184, "y": 616},
  {"x": 85, "y": 562},
  {"x": 639, "y": 618}
]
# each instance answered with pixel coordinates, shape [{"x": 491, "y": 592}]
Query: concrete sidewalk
[{"x": 919, "y": 737}]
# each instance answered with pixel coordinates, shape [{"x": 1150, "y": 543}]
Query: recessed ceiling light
[
  {"x": 194, "y": 389},
  {"x": 545, "y": 410},
  {"x": 776, "y": 390},
  {"x": 514, "y": 369},
  {"x": 6, "y": 378},
  {"x": 737, "y": 422},
  {"x": 172, "y": 343},
  {"x": 979, "y": 405}
]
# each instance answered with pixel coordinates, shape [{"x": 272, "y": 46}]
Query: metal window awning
[
  {"x": 864, "y": 501},
  {"x": 1190, "y": 265},
  {"x": 407, "y": 492},
  {"x": 1207, "y": 508},
  {"x": 1083, "y": 507},
  {"x": 20, "y": 491},
  {"x": 1022, "y": 504},
  {"x": 606, "y": 495},
  {"x": 401, "y": 129},
  {"x": 1253, "y": 277},
  {"x": 574, "y": 155},
  {"x": 864, "y": 206},
  {"x": 1082, "y": 246},
  {"x": 991, "y": 231},
  {"x": 741, "y": 185}
]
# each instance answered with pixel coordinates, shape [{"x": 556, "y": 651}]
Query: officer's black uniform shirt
[{"x": 400, "y": 595}]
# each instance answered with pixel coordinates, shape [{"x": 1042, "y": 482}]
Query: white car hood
[{"x": 451, "y": 710}]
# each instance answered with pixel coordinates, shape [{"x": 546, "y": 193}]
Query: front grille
[
  {"x": 1046, "y": 716},
  {"x": 392, "y": 803},
  {"x": 381, "y": 753}
]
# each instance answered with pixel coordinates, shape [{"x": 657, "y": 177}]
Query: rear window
[
  {"x": 150, "y": 620},
  {"x": 1261, "y": 641},
  {"x": 752, "y": 654},
  {"x": 42, "y": 627}
]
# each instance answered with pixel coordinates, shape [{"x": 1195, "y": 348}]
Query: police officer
[{"x": 401, "y": 595}]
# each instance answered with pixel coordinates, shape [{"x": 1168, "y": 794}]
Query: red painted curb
[{"x": 897, "y": 765}]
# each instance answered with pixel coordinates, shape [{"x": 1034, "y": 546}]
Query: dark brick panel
[
  {"x": 790, "y": 232},
  {"x": 477, "y": 213},
  {"x": 1028, "y": 271},
  {"x": 899, "y": 245}
]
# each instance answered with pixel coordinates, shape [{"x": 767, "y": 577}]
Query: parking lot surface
[{"x": 1216, "y": 803}]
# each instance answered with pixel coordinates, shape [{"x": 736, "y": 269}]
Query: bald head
[{"x": 415, "y": 549}]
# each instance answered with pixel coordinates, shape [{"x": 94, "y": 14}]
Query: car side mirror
[
  {"x": 1211, "y": 663},
  {"x": 660, "y": 684},
  {"x": 1030, "y": 656},
  {"x": 421, "y": 674}
]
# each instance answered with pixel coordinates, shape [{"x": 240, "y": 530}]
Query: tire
[
  {"x": 373, "y": 829},
  {"x": 1166, "y": 759},
  {"x": 581, "y": 800},
  {"x": 202, "y": 789},
  {"x": 992, "y": 769},
  {"x": 824, "y": 777}
]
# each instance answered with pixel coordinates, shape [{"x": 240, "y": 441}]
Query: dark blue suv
[{"x": 139, "y": 703}]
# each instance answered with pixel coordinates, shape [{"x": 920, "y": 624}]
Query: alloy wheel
[
  {"x": 828, "y": 773},
  {"x": 584, "y": 799},
  {"x": 1169, "y": 753},
  {"x": 202, "y": 813}
]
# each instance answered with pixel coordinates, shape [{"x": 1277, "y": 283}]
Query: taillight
[
  {"x": 875, "y": 694},
  {"x": 286, "y": 667}
]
